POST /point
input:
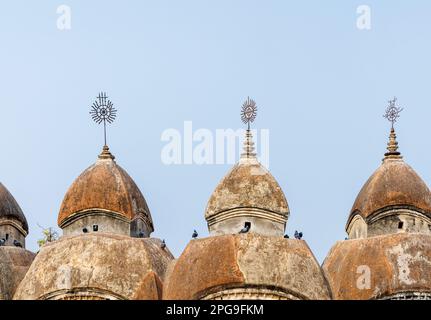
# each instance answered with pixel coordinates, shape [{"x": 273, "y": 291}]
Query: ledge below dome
[
  {"x": 390, "y": 220},
  {"x": 105, "y": 221},
  {"x": 260, "y": 221}
]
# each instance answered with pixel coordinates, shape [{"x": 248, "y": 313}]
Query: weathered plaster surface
[
  {"x": 248, "y": 185},
  {"x": 269, "y": 265},
  {"x": 109, "y": 266},
  {"x": 394, "y": 183},
  {"x": 106, "y": 186},
  {"x": 14, "y": 263},
  {"x": 397, "y": 263}
]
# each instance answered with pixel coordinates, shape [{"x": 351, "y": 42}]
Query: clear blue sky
[{"x": 321, "y": 86}]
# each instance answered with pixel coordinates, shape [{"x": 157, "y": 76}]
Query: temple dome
[
  {"x": 248, "y": 185},
  {"x": 104, "y": 186},
  {"x": 248, "y": 255},
  {"x": 14, "y": 263},
  {"x": 393, "y": 185},
  {"x": 97, "y": 266},
  {"x": 383, "y": 267},
  {"x": 246, "y": 266},
  {"x": 9, "y": 208},
  {"x": 247, "y": 194}
]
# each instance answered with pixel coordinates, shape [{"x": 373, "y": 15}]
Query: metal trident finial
[
  {"x": 392, "y": 111},
  {"x": 103, "y": 110},
  {"x": 248, "y": 111}
]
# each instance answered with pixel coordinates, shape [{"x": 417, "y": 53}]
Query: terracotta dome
[
  {"x": 97, "y": 266},
  {"x": 14, "y": 263},
  {"x": 240, "y": 266},
  {"x": 247, "y": 197},
  {"x": 9, "y": 208},
  {"x": 106, "y": 186},
  {"x": 248, "y": 185},
  {"x": 396, "y": 264},
  {"x": 393, "y": 184}
]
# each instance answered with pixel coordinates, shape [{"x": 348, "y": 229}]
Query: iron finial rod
[{"x": 102, "y": 110}]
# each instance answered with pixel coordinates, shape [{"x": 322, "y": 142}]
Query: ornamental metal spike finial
[
  {"x": 103, "y": 110},
  {"x": 248, "y": 115},
  {"x": 248, "y": 112},
  {"x": 392, "y": 114},
  {"x": 392, "y": 111}
]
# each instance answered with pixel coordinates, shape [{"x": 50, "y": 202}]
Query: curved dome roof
[
  {"x": 97, "y": 265},
  {"x": 107, "y": 186},
  {"x": 14, "y": 263},
  {"x": 244, "y": 261},
  {"x": 248, "y": 184},
  {"x": 397, "y": 263},
  {"x": 9, "y": 208},
  {"x": 394, "y": 183}
]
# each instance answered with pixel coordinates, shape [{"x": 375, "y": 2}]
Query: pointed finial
[
  {"x": 248, "y": 148},
  {"x": 248, "y": 115},
  {"x": 392, "y": 114},
  {"x": 106, "y": 154},
  {"x": 103, "y": 110}
]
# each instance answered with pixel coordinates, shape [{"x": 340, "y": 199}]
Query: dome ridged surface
[{"x": 104, "y": 185}]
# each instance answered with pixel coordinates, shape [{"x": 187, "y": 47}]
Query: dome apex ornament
[
  {"x": 392, "y": 114},
  {"x": 248, "y": 115},
  {"x": 103, "y": 110},
  {"x": 106, "y": 154},
  {"x": 392, "y": 111},
  {"x": 248, "y": 112}
]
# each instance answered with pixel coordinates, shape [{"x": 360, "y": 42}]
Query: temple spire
[
  {"x": 392, "y": 114},
  {"x": 106, "y": 154},
  {"x": 248, "y": 115},
  {"x": 248, "y": 147}
]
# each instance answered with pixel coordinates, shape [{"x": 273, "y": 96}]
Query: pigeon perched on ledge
[
  {"x": 246, "y": 228},
  {"x": 298, "y": 235},
  {"x": 17, "y": 244},
  {"x": 195, "y": 234}
]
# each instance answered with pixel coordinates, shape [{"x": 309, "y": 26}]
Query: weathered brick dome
[
  {"x": 388, "y": 252},
  {"x": 99, "y": 255},
  {"x": 105, "y": 186},
  {"x": 394, "y": 183},
  {"x": 248, "y": 185},
  {"x": 14, "y": 263},
  {"x": 246, "y": 266},
  {"x": 393, "y": 186},
  {"x": 10, "y": 209},
  {"x": 14, "y": 258},
  {"x": 97, "y": 266},
  {"x": 396, "y": 266},
  {"x": 250, "y": 195},
  {"x": 247, "y": 255}
]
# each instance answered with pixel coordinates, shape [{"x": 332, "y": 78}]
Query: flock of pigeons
[{"x": 247, "y": 226}]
